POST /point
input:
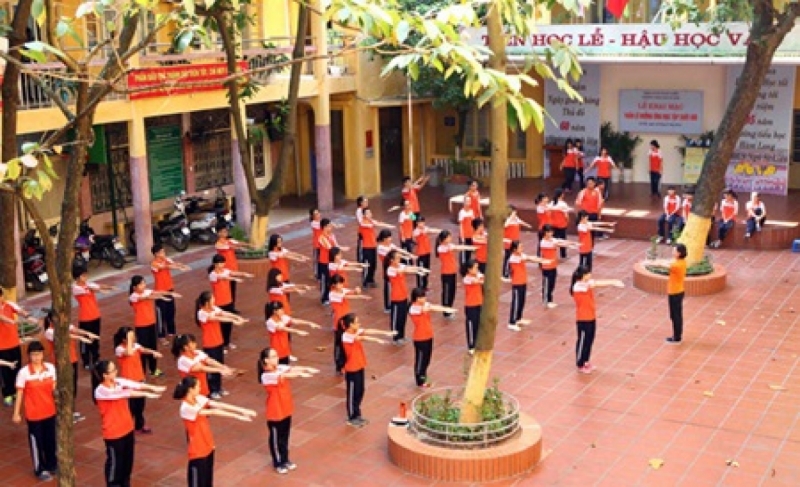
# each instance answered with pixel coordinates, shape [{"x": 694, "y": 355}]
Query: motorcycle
[
  {"x": 174, "y": 229},
  {"x": 33, "y": 265},
  {"x": 90, "y": 246},
  {"x": 202, "y": 222}
]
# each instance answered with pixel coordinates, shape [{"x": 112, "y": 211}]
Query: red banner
[{"x": 178, "y": 80}]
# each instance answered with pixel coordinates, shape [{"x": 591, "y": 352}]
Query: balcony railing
[
  {"x": 55, "y": 76},
  {"x": 480, "y": 167}
]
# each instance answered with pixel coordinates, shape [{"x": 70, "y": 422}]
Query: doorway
[{"x": 391, "y": 134}]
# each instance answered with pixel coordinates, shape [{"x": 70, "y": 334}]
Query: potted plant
[
  {"x": 458, "y": 175},
  {"x": 652, "y": 252},
  {"x": 621, "y": 147}
]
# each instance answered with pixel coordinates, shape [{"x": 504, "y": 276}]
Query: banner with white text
[{"x": 571, "y": 118}]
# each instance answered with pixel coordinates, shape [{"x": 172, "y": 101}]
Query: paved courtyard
[{"x": 720, "y": 409}]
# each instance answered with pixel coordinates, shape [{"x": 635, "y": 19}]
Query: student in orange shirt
[
  {"x": 569, "y": 165},
  {"x": 671, "y": 216},
  {"x": 222, "y": 279},
  {"x": 129, "y": 358},
  {"x": 548, "y": 247},
  {"x": 208, "y": 319},
  {"x": 161, "y": 267},
  {"x": 585, "y": 241},
  {"x": 675, "y": 290},
  {"x": 196, "y": 363},
  {"x": 10, "y": 350},
  {"x": 656, "y": 166},
  {"x": 339, "y": 266},
  {"x": 340, "y": 305},
  {"x": 362, "y": 203},
  {"x": 369, "y": 246},
  {"x": 36, "y": 384},
  {"x": 314, "y": 220},
  {"x": 686, "y": 209},
  {"x": 422, "y": 248},
  {"x": 605, "y": 164},
  {"x": 279, "y": 290},
  {"x": 728, "y": 209},
  {"x": 279, "y": 256},
  {"x": 327, "y": 241},
  {"x": 144, "y": 319},
  {"x": 355, "y": 362},
  {"x": 445, "y": 251},
  {"x": 195, "y": 410},
  {"x": 465, "y": 217},
  {"x": 279, "y": 326},
  {"x": 111, "y": 394},
  {"x": 88, "y": 311},
  {"x": 410, "y": 191},
  {"x": 475, "y": 199},
  {"x": 582, "y": 290},
  {"x": 385, "y": 246},
  {"x": 405, "y": 224},
  {"x": 480, "y": 239},
  {"x": 519, "y": 283},
  {"x": 559, "y": 218},
  {"x": 227, "y": 247},
  {"x": 473, "y": 302},
  {"x": 590, "y": 200},
  {"x": 76, "y": 335},
  {"x": 544, "y": 214},
  {"x": 279, "y": 408},
  {"x": 511, "y": 232},
  {"x": 419, "y": 311},
  {"x": 398, "y": 293}
]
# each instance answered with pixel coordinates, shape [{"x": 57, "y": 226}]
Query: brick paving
[{"x": 729, "y": 393}]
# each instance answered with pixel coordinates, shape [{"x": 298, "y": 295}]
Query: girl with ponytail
[
  {"x": 208, "y": 319},
  {"x": 196, "y": 363}
]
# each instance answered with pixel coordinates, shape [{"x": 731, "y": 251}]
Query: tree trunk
[
  {"x": 10, "y": 96},
  {"x": 766, "y": 34},
  {"x": 478, "y": 376}
]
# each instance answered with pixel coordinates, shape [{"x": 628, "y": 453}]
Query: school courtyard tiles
[{"x": 720, "y": 409}]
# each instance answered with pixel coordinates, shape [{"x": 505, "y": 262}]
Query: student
[
  {"x": 511, "y": 232},
  {"x": 543, "y": 212},
  {"x": 445, "y": 251},
  {"x": 559, "y": 218},
  {"x": 144, "y": 319},
  {"x": 475, "y": 199},
  {"x": 569, "y": 165},
  {"x": 590, "y": 200},
  {"x": 671, "y": 216},
  {"x": 405, "y": 224},
  {"x": 340, "y": 305},
  {"x": 129, "y": 358},
  {"x": 362, "y": 203},
  {"x": 385, "y": 246},
  {"x": 473, "y": 302},
  {"x": 314, "y": 220},
  {"x": 369, "y": 244},
  {"x": 519, "y": 283},
  {"x": 585, "y": 241},
  {"x": 604, "y": 164},
  {"x": 279, "y": 409},
  {"x": 480, "y": 239},
  {"x": 279, "y": 325},
  {"x": 756, "y": 215},
  {"x": 279, "y": 256},
  {"x": 222, "y": 279},
  {"x": 226, "y": 247},
  {"x": 422, "y": 248},
  {"x": 398, "y": 293},
  {"x": 327, "y": 241},
  {"x": 196, "y": 363},
  {"x": 195, "y": 409},
  {"x": 656, "y": 167},
  {"x": 419, "y": 311},
  {"x": 88, "y": 311},
  {"x": 579, "y": 165},
  {"x": 208, "y": 318},
  {"x": 339, "y": 266},
  {"x": 111, "y": 394},
  {"x": 10, "y": 350},
  {"x": 675, "y": 290},
  {"x": 355, "y": 363},
  {"x": 410, "y": 191},
  {"x": 549, "y": 246},
  {"x": 582, "y": 291},
  {"x": 36, "y": 384},
  {"x": 728, "y": 210},
  {"x": 686, "y": 208},
  {"x": 278, "y": 290},
  {"x": 161, "y": 267},
  {"x": 465, "y": 217}
]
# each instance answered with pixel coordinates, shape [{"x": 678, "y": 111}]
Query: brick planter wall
[
  {"x": 648, "y": 282},
  {"x": 512, "y": 457},
  {"x": 257, "y": 267}
]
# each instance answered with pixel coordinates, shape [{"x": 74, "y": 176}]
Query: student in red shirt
[
  {"x": 405, "y": 224},
  {"x": 590, "y": 200},
  {"x": 543, "y": 212},
  {"x": 422, "y": 248},
  {"x": 569, "y": 165},
  {"x": 192, "y": 362},
  {"x": 369, "y": 246},
  {"x": 195, "y": 410},
  {"x": 144, "y": 319},
  {"x": 473, "y": 302},
  {"x": 279, "y": 408},
  {"x": 208, "y": 319},
  {"x": 36, "y": 384},
  {"x": 728, "y": 209},
  {"x": 279, "y": 326},
  {"x": 656, "y": 167},
  {"x": 519, "y": 283},
  {"x": 339, "y": 266},
  {"x": 327, "y": 241},
  {"x": 585, "y": 240},
  {"x": 385, "y": 246},
  {"x": 222, "y": 279},
  {"x": 227, "y": 247},
  {"x": 559, "y": 218},
  {"x": 111, "y": 394},
  {"x": 355, "y": 362},
  {"x": 314, "y": 220},
  {"x": 410, "y": 191},
  {"x": 362, "y": 204},
  {"x": 445, "y": 251},
  {"x": 605, "y": 164},
  {"x": 465, "y": 217},
  {"x": 129, "y": 358},
  {"x": 671, "y": 216},
  {"x": 582, "y": 290},
  {"x": 398, "y": 293},
  {"x": 10, "y": 350},
  {"x": 480, "y": 239},
  {"x": 340, "y": 305},
  {"x": 686, "y": 208},
  {"x": 279, "y": 290},
  {"x": 88, "y": 311},
  {"x": 279, "y": 256},
  {"x": 419, "y": 311},
  {"x": 511, "y": 232},
  {"x": 474, "y": 199},
  {"x": 549, "y": 246},
  {"x": 161, "y": 267}
]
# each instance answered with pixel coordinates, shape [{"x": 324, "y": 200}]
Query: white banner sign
[
  {"x": 761, "y": 159},
  {"x": 573, "y": 119},
  {"x": 661, "y": 111}
]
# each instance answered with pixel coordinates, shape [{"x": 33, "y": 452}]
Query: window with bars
[
  {"x": 99, "y": 178},
  {"x": 477, "y": 129},
  {"x": 211, "y": 141}
]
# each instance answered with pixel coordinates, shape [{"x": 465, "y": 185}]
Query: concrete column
[
  {"x": 244, "y": 208},
  {"x": 322, "y": 114},
  {"x": 140, "y": 185}
]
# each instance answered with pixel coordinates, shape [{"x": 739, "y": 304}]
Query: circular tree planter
[
  {"x": 653, "y": 283},
  {"x": 478, "y": 452},
  {"x": 256, "y": 262}
]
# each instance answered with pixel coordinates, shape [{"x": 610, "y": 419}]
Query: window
[
  {"x": 99, "y": 178},
  {"x": 477, "y": 128},
  {"x": 211, "y": 141}
]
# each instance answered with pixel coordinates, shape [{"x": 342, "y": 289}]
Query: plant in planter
[
  {"x": 703, "y": 140},
  {"x": 277, "y": 120},
  {"x": 621, "y": 147},
  {"x": 652, "y": 252},
  {"x": 237, "y": 233},
  {"x": 702, "y": 268}
]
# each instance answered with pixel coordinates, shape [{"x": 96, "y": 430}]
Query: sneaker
[
  {"x": 225, "y": 392},
  {"x": 157, "y": 373},
  {"x": 426, "y": 385},
  {"x": 747, "y": 235},
  {"x": 659, "y": 240},
  {"x": 672, "y": 341},
  {"x": 589, "y": 366},
  {"x": 8, "y": 401},
  {"x": 216, "y": 395},
  {"x": 45, "y": 476},
  {"x": 514, "y": 327},
  {"x": 326, "y": 303},
  {"x": 145, "y": 431},
  {"x": 290, "y": 465},
  {"x": 292, "y": 358},
  {"x": 551, "y": 305},
  {"x": 669, "y": 241},
  {"x": 232, "y": 346},
  {"x": 585, "y": 370},
  {"x": 471, "y": 351},
  {"x": 282, "y": 470},
  {"x": 387, "y": 311},
  {"x": 356, "y": 422}
]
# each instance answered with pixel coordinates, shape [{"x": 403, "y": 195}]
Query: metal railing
[
  {"x": 480, "y": 166},
  {"x": 56, "y": 77}
]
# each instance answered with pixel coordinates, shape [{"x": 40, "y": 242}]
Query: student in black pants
[
  {"x": 473, "y": 302},
  {"x": 419, "y": 311},
  {"x": 445, "y": 251},
  {"x": 395, "y": 272}
]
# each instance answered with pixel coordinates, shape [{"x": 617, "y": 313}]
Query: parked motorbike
[
  {"x": 174, "y": 229},
  {"x": 90, "y": 246},
  {"x": 33, "y": 266},
  {"x": 202, "y": 222}
]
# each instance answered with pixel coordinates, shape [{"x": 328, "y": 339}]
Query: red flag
[{"x": 616, "y": 7}]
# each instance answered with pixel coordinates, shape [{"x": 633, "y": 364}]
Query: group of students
[{"x": 573, "y": 165}]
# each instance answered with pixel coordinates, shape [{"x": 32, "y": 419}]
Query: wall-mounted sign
[
  {"x": 661, "y": 111},
  {"x": 178, "y": 80},
  {"x": 165, "y": 161},
  {"x": 572, "y": 119}
]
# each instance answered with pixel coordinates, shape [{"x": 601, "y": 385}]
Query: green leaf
[
  {"x": 84, "y": 9},
  {"x": 48, "y": 167},
  {"x": 183, "y": 40},
  {"x": 36, "y": 56},
  {"x": 29, "y": 147},
  {"x": 14, "y": 169},
  {"x": 189, "y": 6},
  {"x": 413, "y": 71},
  {"x": 44, "y": 181}
]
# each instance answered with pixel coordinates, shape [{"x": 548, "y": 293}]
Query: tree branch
[{"x": 50, "y": 25}]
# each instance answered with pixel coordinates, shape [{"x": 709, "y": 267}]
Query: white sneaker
[
  {"x": 551, "y": 305},
  {"x": 514, "y": 328},
  {"x": 292, "y": 358}
]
